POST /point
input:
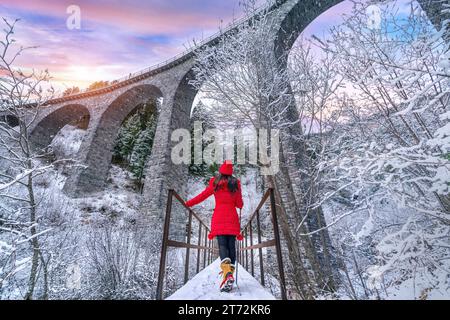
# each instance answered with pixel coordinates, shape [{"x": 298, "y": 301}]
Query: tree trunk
[
  {"x": 45, "y": 278},
  {"x": 34, "y": 240}
]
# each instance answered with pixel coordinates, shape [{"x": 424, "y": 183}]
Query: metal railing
[
  {"x": 247, "y": 247},
  {"x": 207, "y": 248},
  {"x": 204, "y": 245}
]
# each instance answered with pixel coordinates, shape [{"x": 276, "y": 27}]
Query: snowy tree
[
  {"x": 22, "y": 94},
  {"x": 128, "y": 135},
  {"x": 134, "y": 141},
  {"x": 389, "y": 163},
  {"x": 142, "y": 148},
  {"x": 249, "y": 87}
]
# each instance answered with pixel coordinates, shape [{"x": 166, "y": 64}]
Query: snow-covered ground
[
  {"x": 68, "y": 141},
  {"x": 77, "y": 223},
  {"x": 87, "y": 216},
  {"x": 205, "y": 286}
]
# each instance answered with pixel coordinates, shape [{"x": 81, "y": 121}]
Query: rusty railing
[
  {"x": 247, "y": 246},
  {"x": 209, "y": 247},
  {"x": 204, "y": 245}
]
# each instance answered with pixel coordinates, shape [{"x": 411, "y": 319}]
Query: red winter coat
[{"x": 225, "y": 220}]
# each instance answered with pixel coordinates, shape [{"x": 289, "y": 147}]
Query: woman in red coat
[{"x": 225, "y": 221}]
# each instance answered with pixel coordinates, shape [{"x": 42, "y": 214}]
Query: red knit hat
[{"x": 226, "y": 168}]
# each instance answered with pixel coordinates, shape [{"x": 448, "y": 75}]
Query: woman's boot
[{"x": 227, "y": 275}]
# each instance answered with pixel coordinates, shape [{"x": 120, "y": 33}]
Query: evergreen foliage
[{"x": 135, "y": 140}]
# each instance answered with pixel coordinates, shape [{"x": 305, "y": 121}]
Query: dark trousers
[{"x": 227, "y": 247}]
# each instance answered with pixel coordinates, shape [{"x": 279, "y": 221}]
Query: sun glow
[{"x": 83, "y": 75}]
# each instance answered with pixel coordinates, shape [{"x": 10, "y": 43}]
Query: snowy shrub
[{"x": 119, "y": 267}]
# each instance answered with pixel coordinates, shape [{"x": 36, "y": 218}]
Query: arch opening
[
  {"x": 310, "y": 68},
  {"x": 134, "y": 142},
  {"x": 301, "y": 16},
  {"x": 185, "y": 100},
  {"x": 127, "y": 123},
  {"x": 60, "y": 133}
]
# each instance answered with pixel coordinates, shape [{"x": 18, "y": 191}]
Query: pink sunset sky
[{"x": 120, "y": 37}]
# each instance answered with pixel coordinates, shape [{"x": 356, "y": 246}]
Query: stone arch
[
  {"x": 296, "y": 20},
  {"x": 183, "y": 102},
  {"x": 181, "y": 119},
  {"x": 161, "y": 173},
  {"x": 100, "y": 147},
  {"x": 46, "y": 129}
]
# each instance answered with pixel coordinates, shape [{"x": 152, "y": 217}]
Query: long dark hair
[{"x": 232, "y": 182}]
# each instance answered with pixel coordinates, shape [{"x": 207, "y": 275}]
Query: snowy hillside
[
  {"x": 109, "y": 218},
  {"x": 67, "y": 142},
  {"x": 105, "y": 226}
]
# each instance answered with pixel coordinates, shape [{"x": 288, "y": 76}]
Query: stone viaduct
[{"x": 106, "y": 108}]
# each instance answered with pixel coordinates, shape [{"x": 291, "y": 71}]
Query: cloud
[
  {"x": 129, "y": 36},
  {"x": 155, "y": 16},
  {"x": 119, "y": 37}
]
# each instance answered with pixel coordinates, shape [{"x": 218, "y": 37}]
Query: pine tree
[
  {"x": 126, "y": 139},
  {"x": 135, "y": 140},
  {"x": 142, "y": 148},
  {"x": 200, "y": 113}
]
